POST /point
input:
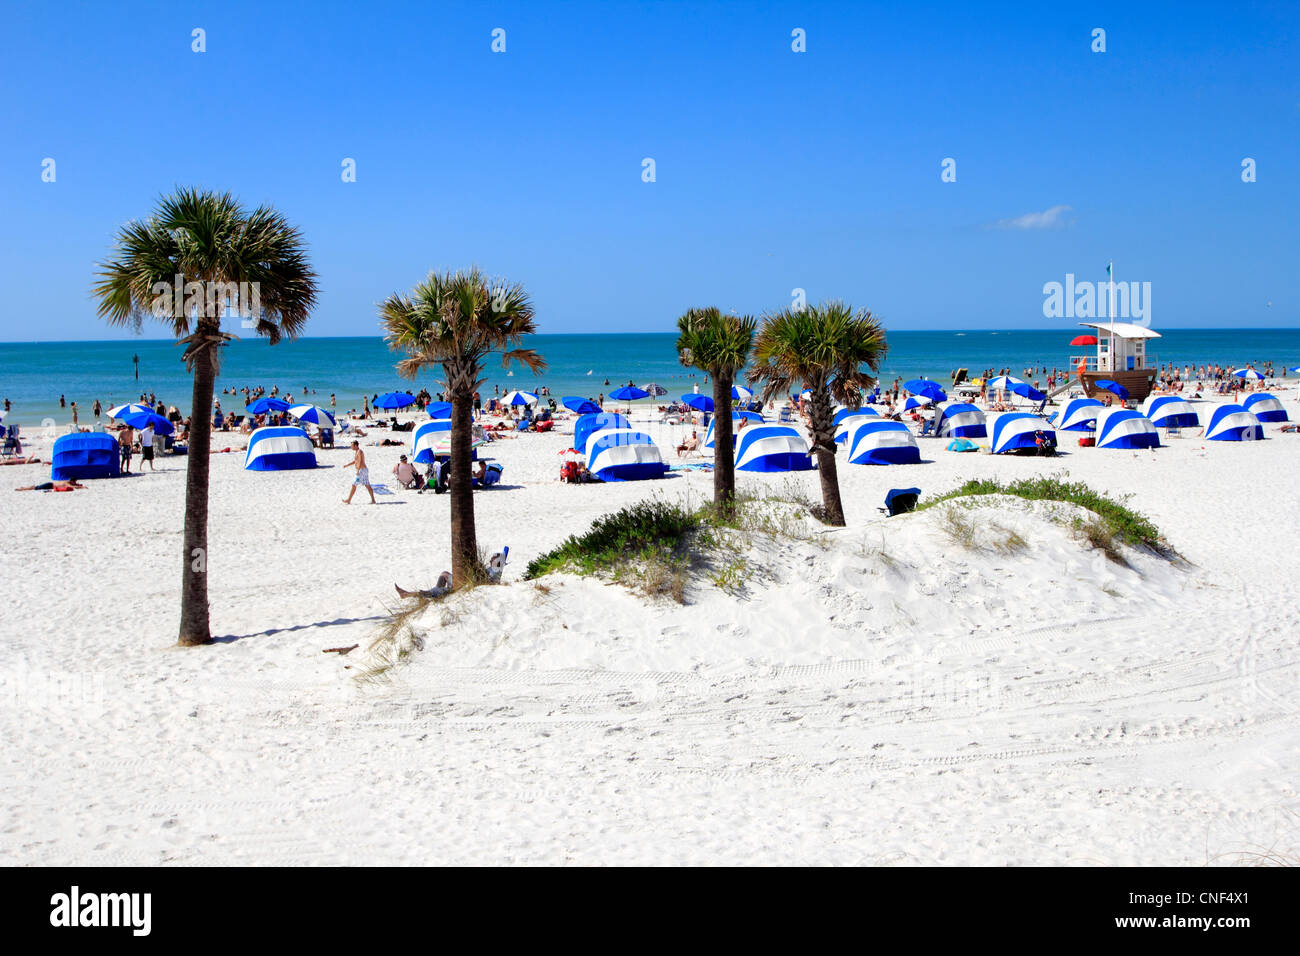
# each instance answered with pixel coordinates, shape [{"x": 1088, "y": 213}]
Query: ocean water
[{"x": 34, "y": 375}]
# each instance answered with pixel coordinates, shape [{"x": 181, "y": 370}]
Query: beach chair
[
  {"x": 12, "y": 448},
  {"x": 327, "y": 438},
  {"x": 927, "y": 428},
  {"x": 901, "y": 501},
  {"x": 491, "y": 476}
]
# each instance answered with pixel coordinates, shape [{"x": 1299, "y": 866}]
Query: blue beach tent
[
  {"x": 960, "y": 420},
  {"x": 1079, "y": 415},
  {"x": 1014, "y": 432},
  {"x": 772, "y": 448},
  {"x": 1233, "y": 423},
  {"x": 279, "y": 448},
  {"x": 592, "y": 422},
  {"x": 754, "y": 418},
  {"x": 880, "y": 442},
  {"x": 1265, "y": 407},
  {"x": 1125, "y": 428},
  {"x": 85, "y": 455},
  {"x": 624, "y": 454},
  {"x": 1170, "y": 411}
]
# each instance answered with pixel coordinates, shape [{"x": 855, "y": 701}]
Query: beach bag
[{"x": 1087, "y": 442}]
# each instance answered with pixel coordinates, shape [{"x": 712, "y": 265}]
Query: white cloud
[{"x": 1053, "y": 218}]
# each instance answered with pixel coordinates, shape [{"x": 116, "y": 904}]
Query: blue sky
[{"x": 775, "y": 170}]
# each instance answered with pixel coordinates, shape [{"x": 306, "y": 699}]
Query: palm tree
[
  {"x": 202, "y": 246},
  {"x": 719, "y": 344},
  {"x": 457, "y": 320},
  {"x": 821, "y": 348}
]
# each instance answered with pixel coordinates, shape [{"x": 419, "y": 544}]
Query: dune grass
[{"x": 1115, "y": 520}]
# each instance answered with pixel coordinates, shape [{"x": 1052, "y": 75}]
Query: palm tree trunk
[
  {"x": 465, "y": 567},
  {"x": 823, "y": 435},
  {"x": 194, "y": 627},
  {"x": 724, "y": 459}
]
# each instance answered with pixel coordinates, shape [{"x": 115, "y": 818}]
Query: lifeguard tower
[{"x": 1122, "y": 356}]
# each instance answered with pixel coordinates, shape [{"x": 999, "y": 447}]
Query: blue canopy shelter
[
  {"x": 279, "y": 448},
  {"x": 85, "y": 455}
]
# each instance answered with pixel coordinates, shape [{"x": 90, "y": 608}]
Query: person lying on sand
[
  {"x": 20, "y": 461},
  {"x": 437, "y": 591},
  {"x": 70, "y": 485}
]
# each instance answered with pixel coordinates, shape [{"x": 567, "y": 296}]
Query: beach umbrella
[
  {"x": 267, "y": 404},
  {"x": 140, "y": 419},
  {"x": 1115, "y": 388},
  {"x": 1025, "y": 390},
  {"x": 742, "y": 393},
  {"x": 313, "y": 414},
  {"x": 394, "y": 400},
  {"x": 576, "y": 403},
  {"x": 1084, "y": 340},
  {"x": 1249, "y": 374},
  {"x": 628, "y": 393},
  {"x": 1295, "y": 370},
  {"x": 1004, "y": 383},
  {"x": 438, "y": 409},
  {"x": 655, "y": 390},
  {"x": 923, "y": 386},
  {"x": 917, "y": 401},
  {"x": 518, "y": 398},
  {"x": 701, "y": 403},
  {"x": 806, "y": 394},
  {"x": 134, "y": 408}
]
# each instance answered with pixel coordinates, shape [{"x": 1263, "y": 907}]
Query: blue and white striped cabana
[
  {"x": 1233, "y": 423},
  {"x": 1014, "y": 432},
  {"x": 1079, "y": 415},
  {"x": 279, "y": 448},
  {"x": 623, "y": 454},
  {"x": 772, "y": 448},
  {"x": 1170, "y": 411},
  {"x": 1265, "y": 407},
  {"x": 1125, "y": 428},
  {"x": 875, "y": 441},
  {"x": 960, "y": 420}
]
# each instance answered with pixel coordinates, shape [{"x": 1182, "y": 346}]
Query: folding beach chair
[{"x": 900, "y": 501}]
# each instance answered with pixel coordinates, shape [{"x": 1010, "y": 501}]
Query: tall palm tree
[
  {"x": 457, "y": 320},
  {"x": 180, "y": 266},
  {"x": 719, "y": 344},
  {"x": 822, "y": 348}
]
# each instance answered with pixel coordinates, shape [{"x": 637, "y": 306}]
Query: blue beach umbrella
[
  {"x": 1025, "y": 390},
  {"x": 576, "y": 403},
  {"x": 313, "y": 414},
  {"x": 917, "y": 401},
  {"x": 267, "y": 404},
  {"x": 1115, "y": 388},
  {"x": 923, "y": 386},
  {"x": 1295, "y": 369},
  {"x": 1249, "y": 374},
  {"x": 628, "y": 393},
  {"x": 395, "y": 400},
  {"x": 741, "y": 393},
  {"x": 135, "y": 408},
  {"x": 518, "y": 398},
  {"x": 701, "y": 403},
  {"x": 140, "y": 419},
  {"x": 438, "y": 409}
]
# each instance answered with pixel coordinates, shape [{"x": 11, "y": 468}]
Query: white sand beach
[{"x": 876, "y": 694}]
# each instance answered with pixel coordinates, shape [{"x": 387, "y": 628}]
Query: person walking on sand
[
  {"x": 125, "y": 443},
  {"x": 146, "y": 446},
  {"x": 363, "y": 474}
]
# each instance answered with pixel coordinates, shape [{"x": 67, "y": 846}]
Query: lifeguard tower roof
[{"x": 1123, "y": 330}]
